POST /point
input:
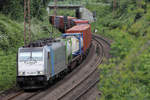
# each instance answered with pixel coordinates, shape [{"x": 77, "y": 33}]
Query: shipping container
[
  {"x": 85, "y": 29},
  {"x": 70, "y": 22},
  {"x": 51, "y": 20},
  {"x": 65, "y": 23},
  {"x": 61, "y": 25},
  {"x": 79, "y": 21},
  {"x": 75, "y": 42},
  {"x": 57, "y": 23}
]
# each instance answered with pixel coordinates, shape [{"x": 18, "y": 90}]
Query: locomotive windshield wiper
[{"x": 31, "y": 60}]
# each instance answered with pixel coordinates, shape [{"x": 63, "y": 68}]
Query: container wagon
[{"x": 85, "y": 29}]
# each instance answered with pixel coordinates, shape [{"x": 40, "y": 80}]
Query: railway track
[
  {"x": 21, "y": 95},
  {"x": 92, "y": 79},
  {"x": 77, "y": 83},
  {"x": 95, "y": 80}
]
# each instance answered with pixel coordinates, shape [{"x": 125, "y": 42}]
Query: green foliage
[
  {"x": 15, "y": 8},
  {"x": 123, "y": 41},
  {"x": 10, "y": 33},
  {"x": 64, "y": 12},
  {"x": 7, "y": 69},
  {"x": 42, "y": 29},
  {"x": 129, "y": 79},
  {"x": 126, "y": 75}
]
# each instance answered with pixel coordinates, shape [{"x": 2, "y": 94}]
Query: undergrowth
[{"x": 126, "y": 75}]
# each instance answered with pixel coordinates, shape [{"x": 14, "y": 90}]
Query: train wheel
[
  {"x": 50, "y": 81},
  {"x": 79, "y": 60},
  {"x": 69, "y": 69},
  {"x": 46, "y": 85}
]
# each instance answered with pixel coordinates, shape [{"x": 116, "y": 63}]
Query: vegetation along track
[{"x": 77, "y": 83}]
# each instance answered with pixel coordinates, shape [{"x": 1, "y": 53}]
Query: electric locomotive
[{"x": 40, "y": 64}]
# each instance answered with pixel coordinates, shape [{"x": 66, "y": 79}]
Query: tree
[
  {"x": 14, "y": 8},
  {"x": 114, "y": 5}
]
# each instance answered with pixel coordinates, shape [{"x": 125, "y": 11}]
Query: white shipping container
[
  {"x": 69, "y": 49},
  {"x": 75, "y": 44}
]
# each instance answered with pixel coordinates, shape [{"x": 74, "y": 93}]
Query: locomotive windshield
[{"x": 31, "y": 56}]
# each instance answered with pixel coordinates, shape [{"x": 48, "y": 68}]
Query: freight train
[{"x": 42, "y": 61}]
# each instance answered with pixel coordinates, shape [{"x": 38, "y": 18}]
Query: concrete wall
[{"x": 86, "y": 14}]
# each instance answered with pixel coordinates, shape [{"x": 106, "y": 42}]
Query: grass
[{"x": 7, "y": 70}]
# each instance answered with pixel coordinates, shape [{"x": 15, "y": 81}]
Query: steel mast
[{"x": 27, "y": 18}]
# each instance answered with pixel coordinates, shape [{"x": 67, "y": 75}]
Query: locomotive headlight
[
  {"x": 40, "y": 72},
  {"x": 21, "y": 73}
]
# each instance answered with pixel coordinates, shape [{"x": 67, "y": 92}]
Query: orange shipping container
[
  {"x": 79, "y": 21},
  {"x": 86, "y": 30},
  {"x": 61, "y": 23},
  {"x": 51, "y": 20}
]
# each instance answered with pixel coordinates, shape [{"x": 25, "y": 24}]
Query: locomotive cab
[
  {"x": 39, "y": 65},
  {"x": 30, "y": 69}
]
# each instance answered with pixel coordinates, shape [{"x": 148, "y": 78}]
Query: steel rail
[
  {"x": 21, "y": 93},
  {"x": 97, "y": 80},
  {"x": 12, "y": 97}
]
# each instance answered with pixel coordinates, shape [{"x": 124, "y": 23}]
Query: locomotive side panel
[
  {"x": 47, "y": 63},
  {"x": 58, "y": 58}
]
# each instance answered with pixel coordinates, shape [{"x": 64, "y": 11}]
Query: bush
[
  {"x": 15, "y": 8},
  {"x": 126, "y": 75},
  {"x": 11, "y": 34},
  {"x": 129, "y": 79}
]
